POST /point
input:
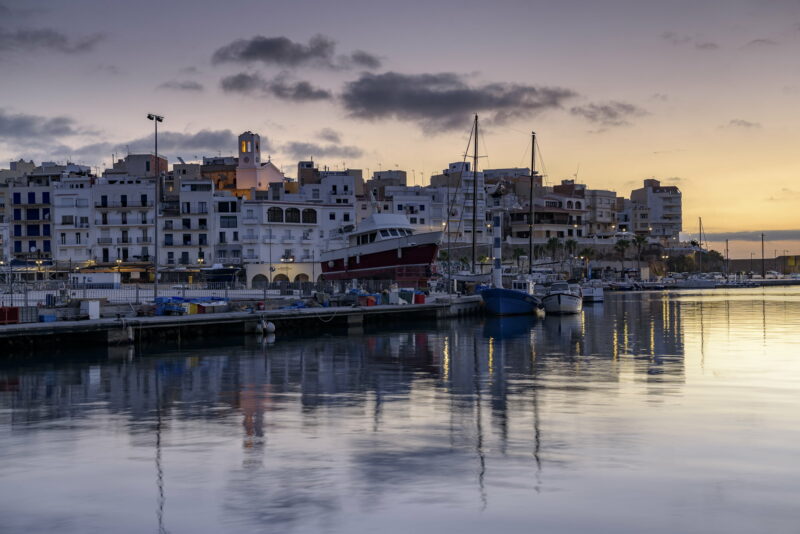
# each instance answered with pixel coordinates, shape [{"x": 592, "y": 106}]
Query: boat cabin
[{"x": 380, "y": 227}]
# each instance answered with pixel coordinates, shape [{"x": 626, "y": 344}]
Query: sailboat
[{"x": 519, "y": 299}]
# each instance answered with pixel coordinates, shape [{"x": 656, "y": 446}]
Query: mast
[
  {"x": 475, "y": 198},
  {"x": 530, "y": 204}
]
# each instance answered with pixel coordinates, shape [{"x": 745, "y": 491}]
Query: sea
[{"x": 658, "y": 412}]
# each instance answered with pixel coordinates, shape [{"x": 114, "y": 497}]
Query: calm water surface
[{"x": 653, "y": 412}]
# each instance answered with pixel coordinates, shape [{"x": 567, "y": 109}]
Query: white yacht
[{"x": 562, "y": 297}]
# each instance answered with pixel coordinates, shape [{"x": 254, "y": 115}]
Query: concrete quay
[{"x": 35, "y": 337}]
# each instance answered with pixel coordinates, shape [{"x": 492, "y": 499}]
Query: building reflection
[{"x": 414, "y": 406}]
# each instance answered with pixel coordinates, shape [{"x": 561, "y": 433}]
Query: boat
[
  {"x": 383, "y": 247},
  {"x": 520, "y": 299},
  {"x": 593, "y": 292},
  {"x": 562, "y": 297}
]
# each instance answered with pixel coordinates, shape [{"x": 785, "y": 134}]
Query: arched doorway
[
  {"x": 302, "y": 277},
  {"x": 280, "y": 278},
  {"x": 259, "y": 282}
]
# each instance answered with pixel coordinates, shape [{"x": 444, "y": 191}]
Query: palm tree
[
  {"x": 621, "y": 247},
  {"x": 587, "y": 254},
  {"x": 570, "y": 246},
  {"x": 552, "y": 245},
  {"x": 639, "y": 241},
  {"x": 518, "y": 253}
]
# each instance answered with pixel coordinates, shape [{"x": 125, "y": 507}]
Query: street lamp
[{"x": 156, "y": 119}]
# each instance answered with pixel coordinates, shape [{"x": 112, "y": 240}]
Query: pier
[{"x": 149, "y": 330}]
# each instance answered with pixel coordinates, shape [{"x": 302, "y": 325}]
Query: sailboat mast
[
  {"x": 530, "y": 204},
  {"x": 475, "y": 199}
]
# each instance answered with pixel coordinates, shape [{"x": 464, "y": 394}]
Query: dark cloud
[
  {"x": 609, "y": 113},
  {"x": 677, "y": 39},
  {"x": 46, "y": 39},
  {"x": 444, "y": 101},
  {"x": 182, "y": 85},
  {"x": 320, "y": 51},
  {"x": 21, "y": 126},
  {"x": 772, "y": 235},
  {"x": 301, "y": 91},
  {"x": 301, "y": 150},
  {"x": 244, "y": 83},
  {"x": 761, "y": 43},
  {"x": 330, "y": 135},
  {"x": 741, "y": 123},
  {"x": 280, "y": 87},
  {"x": 365, "y": 60}
]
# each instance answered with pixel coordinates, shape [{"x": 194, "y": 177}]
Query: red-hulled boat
[{"x": 385, "y": 247}]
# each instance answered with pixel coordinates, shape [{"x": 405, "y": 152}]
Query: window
[
  {"x": 63, "y": 238},
  {"x": 187, "y": 239},
  {"x": 77, "y": 238},
  {"x": 144, "y": 217},
  {"x": 345, "y": 217},
  {"x": 332, "y": 216},
  {"x": 422, "y": 220},
  {"x": 168, "y": 225},
  {"x": 168, "y": 240},
  {"x": 17, "y": 214},
  {"x": 31, "y": 198},
  {"x": 32, "y": 230},
  {"x": 309, "y": 216},
  {"x": 422, "y": 207},
  {"x": 292, "y": 215},
  {"x": 203, "y": 239},
  {"x": 124, "y": 217},
  {"x": 222, "y": 237},
  {"x": 17, "y": 230},
  {"x": 275, "y": 215},
  {"x": 227, "y": 221},
  {"x": 235, "y": 236},
  {"x": 202, "y": 207},
  {"x": 186, "y": 224},
  {"x": 384, "y": 233},
  {"x": 413, "y": 220},
  {"x": 47, "y": 246},
  {"x": 17, "y": 198},
  {"x": 32, "y": 214}
]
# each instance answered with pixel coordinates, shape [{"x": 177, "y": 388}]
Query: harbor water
[{"x": 653, "y": 412}]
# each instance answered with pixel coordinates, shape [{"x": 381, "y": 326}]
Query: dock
[{"x": 26, "y": 337}]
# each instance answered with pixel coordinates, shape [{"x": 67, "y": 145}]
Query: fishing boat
[
  {"x": 563, "y": 298},
  {"x": 593, "y": 292},
  {"x": 384, "y": 247}
]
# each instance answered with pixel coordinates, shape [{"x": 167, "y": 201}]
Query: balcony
[
  {"x": 105, "y": 240},
  {"x": 124, "y": 240},
  {"x": 123, "y": 205},
  {"x": 248, "y": 219},
  {"x": 144, "y": 240},
  {"x": 250, "y": 257}
]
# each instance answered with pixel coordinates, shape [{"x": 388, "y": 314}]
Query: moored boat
[
  {"x": 384, "y": 246},
  {"x": 564, "y": 298}
]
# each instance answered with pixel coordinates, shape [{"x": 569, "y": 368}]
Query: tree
[
  {"x": 553, "y": 244},
  {"x": 518, "y": 253},
  {"x": 639, "y": 241},
  {"x": 570, "y": 246},
  {"x": 621, "y": 247}
]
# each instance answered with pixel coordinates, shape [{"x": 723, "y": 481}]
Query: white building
[
  {"x": 188, "y": 223},
  {"x": 123, "y": 219},
  {"x": 664, "y": 208},
  {"x": 73, "y": 211}
]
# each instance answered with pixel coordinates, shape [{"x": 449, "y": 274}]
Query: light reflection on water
[{"x": 653, "y": 412}]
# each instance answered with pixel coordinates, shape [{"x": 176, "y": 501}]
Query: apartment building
[
  {"x": 664, "y": 206},
  {"x": 187, "y": 224}
]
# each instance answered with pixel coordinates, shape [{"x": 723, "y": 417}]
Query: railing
[
  {"x": 105, "y": 240},
  {"x": 144, "y": 240},
  {"x": 132, "y": 204},
  {"x": 124, "y": 240}
]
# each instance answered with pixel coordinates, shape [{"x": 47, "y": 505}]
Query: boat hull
[
  {"x": 593, "y": 294},
  {"x": 406, "y": 259},
  {"x": 562, "y": 303},
  {"x": 500, "y": 301}
]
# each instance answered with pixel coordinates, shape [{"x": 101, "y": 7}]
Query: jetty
[{"x": 26, "y": 337}]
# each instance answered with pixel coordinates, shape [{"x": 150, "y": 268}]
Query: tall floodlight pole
[{"x": 156, "y": 119}]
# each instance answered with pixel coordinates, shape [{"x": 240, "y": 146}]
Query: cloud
[
  {"x": 301, "y": 150},
  {"x": 320, "y": 51},
  {"x": 22, "y": 126},
  {"x": 182, "y": 85},
  {"x": 46, "y": 39},
  {"x": 741, "y": 123},
  {"x": 279, "y": 87},
  {"x": 785, "y": 195},
  {"x": 330, "y": 135},
  {"x": 170, "y": 144},
  {"x": 444, "y": 101},
  {"x": 772, "y": 235},
  {"x": 677, "y": 39},
  {"x": 761, "y": 43},
  {"x": 301, "y": 91},
  {"x": 609, "y": 113},
  {"x": 661, "y": 97}
]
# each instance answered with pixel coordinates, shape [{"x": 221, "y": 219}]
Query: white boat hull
[
  {"x": 562, "y": 303},
  {"x": 593, "y": 294}
]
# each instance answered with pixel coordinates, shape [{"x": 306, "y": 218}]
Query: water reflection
[{"x": 359, "y": 433}]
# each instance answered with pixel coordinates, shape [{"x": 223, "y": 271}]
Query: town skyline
[{"x": 686, "y": 93}]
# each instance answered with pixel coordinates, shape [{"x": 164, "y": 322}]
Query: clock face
[{"x": 246, "y": 159}]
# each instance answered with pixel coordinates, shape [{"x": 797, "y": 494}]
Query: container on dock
[
  {"x": 370, "y": 300},
  {"x": 362, "y": 300},
  {"x": 47, "y": 318},
  {"x": 419, "y": 298},
  {"x": 9, "y": 315},
  {"x": 91, "y": 308}
]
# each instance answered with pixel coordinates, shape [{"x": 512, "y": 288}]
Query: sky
[{"x": 699, "y": 94}]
